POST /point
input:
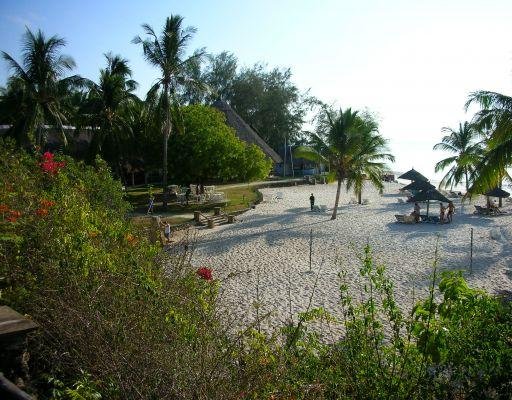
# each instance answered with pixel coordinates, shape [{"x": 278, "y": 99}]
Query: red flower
[
  {"x": 4, "y": 208},
  {"x": 47, "y": 203},
  {"x": 49, "y": 166},
  {"x": 42, "y": 212},
  {"x": 205, "y": 273},
  {"x": 13, "y": 216}
]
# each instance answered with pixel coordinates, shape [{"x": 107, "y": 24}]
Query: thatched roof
[
  {"x": 413, "y": 175},
  {"x": 244, "y": 131}
]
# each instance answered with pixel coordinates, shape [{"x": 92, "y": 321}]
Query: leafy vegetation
[
  {"x": 121, "y": 320},
  {"x": 467, "y": 151}
]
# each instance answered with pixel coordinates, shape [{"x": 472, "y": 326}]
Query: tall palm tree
[
  {"x": 467, "y": 153},
  {"x": 350, "y": 143},
  {"x": 107, "y": 104},
  {"x": 495, "y": 117},
  {"x": 39, "y": 86},
  {"x": 167, "y": 53}
]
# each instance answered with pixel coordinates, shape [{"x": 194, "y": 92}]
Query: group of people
[{"x": 445, "y": 213}]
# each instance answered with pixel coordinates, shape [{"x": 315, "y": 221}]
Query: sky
[{"x": 413, "y": 63}]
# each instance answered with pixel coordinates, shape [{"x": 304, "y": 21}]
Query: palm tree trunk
[
  {"x": 338, "y": 190},
  {"x": 167, "y": 132},
  {"x": 359, "y": 194}
]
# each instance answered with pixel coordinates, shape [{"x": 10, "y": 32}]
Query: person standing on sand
[
  {"x": 451, "y": 211},
  {"x": 312, "y": 201},
  {"x": 442, "y": 210},
  {"x": 167, "y": 231}
]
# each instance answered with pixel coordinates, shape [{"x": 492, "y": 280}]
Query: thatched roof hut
[{"x": 244, "y": 131}]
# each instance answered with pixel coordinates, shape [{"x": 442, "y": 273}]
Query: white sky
[{"x": 412, "y": 62}]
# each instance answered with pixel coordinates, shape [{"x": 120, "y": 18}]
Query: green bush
[{"x": 108, "y": 303}]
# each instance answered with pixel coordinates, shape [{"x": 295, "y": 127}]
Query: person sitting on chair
[{"x": 416, "y": 212}]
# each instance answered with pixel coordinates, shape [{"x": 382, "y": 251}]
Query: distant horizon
[{"x": 414, "y": 65}]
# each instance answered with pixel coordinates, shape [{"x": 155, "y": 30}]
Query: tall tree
[
  {"x": 38, "y": 88},
  {"x": 467, "y": 153},
  {"x": 106, "y": 107},
  {"x": 167, "y": 53},
  {"x": 351, "y": 144},
  {"x": 495, "y": 117}
]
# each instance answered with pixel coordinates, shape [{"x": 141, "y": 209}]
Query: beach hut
[
  {"x": 413, "y": 175},
  {"x": 429, "y": 194}
]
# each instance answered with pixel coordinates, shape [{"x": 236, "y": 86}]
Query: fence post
[{"x": 471, "y": 254}]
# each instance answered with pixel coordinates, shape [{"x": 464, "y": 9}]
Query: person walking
[
  {"x": 312, "y": 201},
  {"x": 167, "y": 231},
  {"x": 151, "y": 204}
]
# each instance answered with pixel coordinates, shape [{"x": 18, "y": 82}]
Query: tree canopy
[{"x": 211, "y": 152}]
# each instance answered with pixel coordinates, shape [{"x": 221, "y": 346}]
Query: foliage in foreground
[{"x": 115, "y": 324}]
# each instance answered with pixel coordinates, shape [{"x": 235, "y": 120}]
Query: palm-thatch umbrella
[
  {"x": 497, "y": 192},
  {"x": 413, "y": 175},
  {"x": 430, "y": 194},
  {"x": 418, "y": 185}
]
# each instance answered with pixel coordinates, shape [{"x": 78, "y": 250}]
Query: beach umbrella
[
  {"x": 497, "y": 192},
  {"x": 418, "y": 185},
  {"x": 413, "y": 175},
  {"x": 429, "y": 194}
]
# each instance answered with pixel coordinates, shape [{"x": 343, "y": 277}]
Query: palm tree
[
  {"x": 350, "y": 143},
  {"x": 495, "y": 117},
  {"x": 167, "y": 53},
  {"x": 107, "y": 103},
  {"x": 39, "y": 87},
  {"x": 467, "y": 152}
]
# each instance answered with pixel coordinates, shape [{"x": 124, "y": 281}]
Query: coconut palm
[
  {"x": 350, "y": 143},
  {"x": 39, "y": 87},
  {"x": 467, "y": 153},
  {"x": 107, "y": 103},
  {"x": 167, "y": 53},
  {"x": 495, "y": 117}
]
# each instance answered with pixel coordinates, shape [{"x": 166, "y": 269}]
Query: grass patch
[{"x": 238, "y": 198}]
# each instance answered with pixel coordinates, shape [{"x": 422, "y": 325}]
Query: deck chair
[{"x": 405, "y": 219}]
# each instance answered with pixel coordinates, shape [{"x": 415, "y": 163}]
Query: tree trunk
[
  {"x": 359, "y": 194},
  {"x": 338, "y": 190},
  {"x": 133, "y": 178},
  {"x": 167, "y": 133}
]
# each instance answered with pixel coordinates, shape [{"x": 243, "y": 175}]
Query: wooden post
[
  {"x": 197, "y": 214},
  {"x": 211, "y": 223},
  {"x": 310, "y": 249},
  {"x": 216, "y": 210},
  {"x": 471, "y": 254},
  {"x": 231, "y": 219}
]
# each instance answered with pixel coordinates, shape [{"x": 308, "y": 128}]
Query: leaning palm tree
[
  {"x": 39, "y": 87},
  {"x": 350, "y": 143},
  {"x": 467, "y": 153},
  {"x": 494, "y": 117},
  {"x": 167, "y": 53}
]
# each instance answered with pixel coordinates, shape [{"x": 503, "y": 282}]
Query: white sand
[{"x": 265, "y": 255}]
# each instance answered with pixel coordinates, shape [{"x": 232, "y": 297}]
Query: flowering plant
[
  {"x": 49, "y": 165},
  {"x": 205, "y": 273}
]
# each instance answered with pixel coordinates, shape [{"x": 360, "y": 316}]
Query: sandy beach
[{"x": 263, "y": 259}]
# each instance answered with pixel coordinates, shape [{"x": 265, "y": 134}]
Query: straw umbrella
[
  {"x": 413, "y": 175},
  {"x": 496, "y": 192},
  {"x": 418, "y": 185},
  {"x": 430, "y": 194}
]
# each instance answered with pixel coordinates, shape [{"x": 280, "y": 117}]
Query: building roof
[{"x": 244, "y": 131}]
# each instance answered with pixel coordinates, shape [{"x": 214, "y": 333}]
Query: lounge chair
[{"x": 405, "y": 219}]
